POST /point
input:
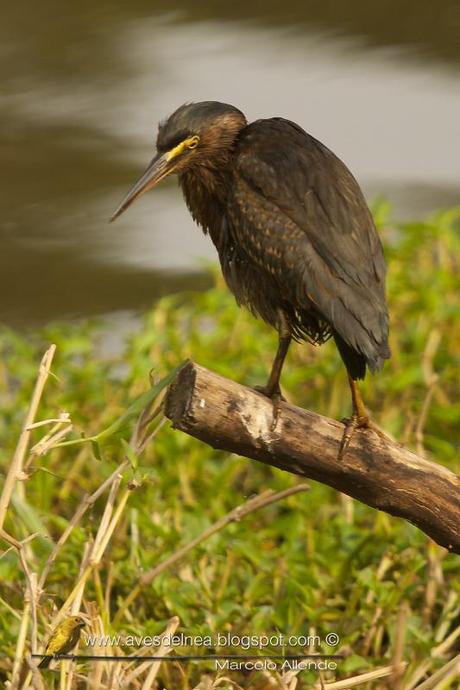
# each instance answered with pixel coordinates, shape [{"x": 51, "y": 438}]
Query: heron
[{"x": 296, "y": 240}]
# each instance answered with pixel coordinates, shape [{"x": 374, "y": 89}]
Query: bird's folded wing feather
[{"x": 298, "y": 210}]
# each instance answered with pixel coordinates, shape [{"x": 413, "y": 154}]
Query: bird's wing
[
  {"x": 299, "y": 211},
  {"x": 55, "y": 642},
  {"x": 63, "y": 639},
  {"x": 74, "y": 637}
]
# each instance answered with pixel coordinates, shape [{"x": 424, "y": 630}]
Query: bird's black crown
[{"x": 192, "y": 118}]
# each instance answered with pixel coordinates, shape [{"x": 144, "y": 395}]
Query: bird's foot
[
  {"x": 276, "y": 397},
  {"x": 358, "y": 422}
]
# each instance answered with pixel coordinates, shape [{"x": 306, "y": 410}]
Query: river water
[{"x": 84, "y": 84}]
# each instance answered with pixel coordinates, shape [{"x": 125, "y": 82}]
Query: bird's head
[
  {"x": 195, "y": 135},
  {"x": 75, "y": 622}
]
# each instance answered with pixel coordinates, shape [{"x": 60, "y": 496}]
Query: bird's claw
[
  {"x": 355, "y": 422},
  {"x": 277, "y": 398},
  {"x": 358, "y": 422}
]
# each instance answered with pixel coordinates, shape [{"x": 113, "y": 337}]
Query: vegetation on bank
[{"x": 310, "y": 564}]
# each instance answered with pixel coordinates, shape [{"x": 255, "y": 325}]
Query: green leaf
[
  {"x": 130, "y": 454},
  {"x": 96, "y": 450},
  {"x": 29, "y": 515}
]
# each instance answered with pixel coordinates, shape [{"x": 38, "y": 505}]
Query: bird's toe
[
  {"x": 358, "y": 422},
  {"x": 276, "y": 397}
]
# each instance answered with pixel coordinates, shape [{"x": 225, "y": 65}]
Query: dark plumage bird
[{"x": 295, "y": 238}]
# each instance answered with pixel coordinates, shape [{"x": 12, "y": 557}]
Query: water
[{"x": 83, "y": 88}]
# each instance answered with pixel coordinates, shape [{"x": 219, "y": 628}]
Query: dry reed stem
[
  {"x": 86, "y": 503},
  {"x": 95, "y": 559},
  {"x": 250, "y": 506},
  {"x": 15, "y": 473},
  {"x": 367, "y": 642},
  {"x": 94, "y": 678},
  {"x": 108, "y": 590},
  {"x": 33, "y": 594},
  {"x": 105, "y": 519},
  {"x": 359, "y": 680},
  {"x": 429, "y": 353},
  {"x": 449, "y": 613},
  {"x": 276, "y": 681},
  {"x": 205, "y": 684},
  {"x": 417, "y": 675},
  {"x": 398, "y": 650},
  {"x": 224, "y": 679},
  {"x": 30, "y": 610},
  {"x": 419, "y": 430},
  {"x": 64, "y": 418},
  {"x": 446, "y": 644},
  {"x": 163, "y": 650},
  {"x": 20, "y": 647},
  {"x": 434, "y": 578},
  {"x": 129, "y": 663},
  {"x": 103, "y": 537},
  {"x": 53, "y": 437},
  {"x": 447, "y": 672},
  {"x": 16, "y": 467},
  {"x": 31, "y": 600},
  {"x": 93, "y": 553},
  {"x": 385, "y": 564},
  {"x": 128, "y": 678},
  {"x": 431, "y": 379}
]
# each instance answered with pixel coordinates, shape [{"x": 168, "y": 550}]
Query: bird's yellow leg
[
  {"x": 359, "y": 408},
  {"x": 359, "y": 419}
]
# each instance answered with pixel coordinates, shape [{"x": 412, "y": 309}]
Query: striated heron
[{"x": 295, "y": 238}]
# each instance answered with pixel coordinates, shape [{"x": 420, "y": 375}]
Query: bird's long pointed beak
[{"x": 158, "y": 168}]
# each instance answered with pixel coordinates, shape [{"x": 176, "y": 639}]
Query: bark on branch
[{"x": 376, "y": 471}]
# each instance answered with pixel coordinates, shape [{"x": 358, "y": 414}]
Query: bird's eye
[{"x": 193, "y": 142}]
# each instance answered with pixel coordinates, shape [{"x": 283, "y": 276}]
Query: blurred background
[{"x": 83, "y": 88}]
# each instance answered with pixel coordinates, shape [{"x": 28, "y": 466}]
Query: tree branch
[{"x": 374, "y": 470}]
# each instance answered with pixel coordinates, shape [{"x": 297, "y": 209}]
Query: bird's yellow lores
[
  {"x": 189, "y": 143},
  {"x": 63, "y": 639}
]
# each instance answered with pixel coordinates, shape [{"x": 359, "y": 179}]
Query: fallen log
[{"x": 374, "y": 470}]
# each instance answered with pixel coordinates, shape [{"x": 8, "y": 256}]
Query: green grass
[{"x": 313, "y": 563}]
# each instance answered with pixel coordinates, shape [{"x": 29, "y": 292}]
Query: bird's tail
[{"x": 45, "y": 662}]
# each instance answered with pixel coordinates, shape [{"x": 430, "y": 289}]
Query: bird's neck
[{"x": 205, "y": 190}]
